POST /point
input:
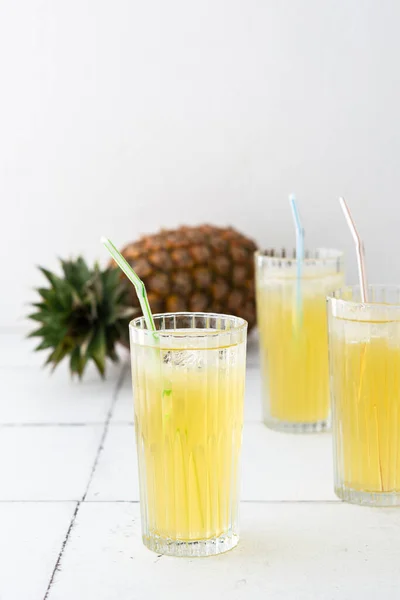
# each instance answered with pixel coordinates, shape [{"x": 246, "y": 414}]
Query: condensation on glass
[
  {"x": 292, "y": 323},
  {"x": 188, "y": 380},
  {"x": 364, "y": 356}
]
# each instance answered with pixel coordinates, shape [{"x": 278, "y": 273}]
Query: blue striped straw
[{"x": 299, "y": 250}]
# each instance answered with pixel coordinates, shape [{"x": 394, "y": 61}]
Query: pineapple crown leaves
[{"x": 82, "y": 315}]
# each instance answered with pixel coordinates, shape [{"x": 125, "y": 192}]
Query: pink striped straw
[{"x": 359, "y": 249}]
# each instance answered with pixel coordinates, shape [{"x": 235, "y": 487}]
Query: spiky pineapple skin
[{"x": 205, "y": 268}]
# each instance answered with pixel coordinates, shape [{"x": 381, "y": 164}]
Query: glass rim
[
  {"x": 331, "y": 254},
  {"x": 335, "y": 298},
  {"x": 238, "y": 324}
]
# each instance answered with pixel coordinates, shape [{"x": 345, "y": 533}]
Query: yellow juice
[
  {"x": 366, "y": 391},
  {"x": 294, "y": 349},
  {"x": 189, "y": 429}
]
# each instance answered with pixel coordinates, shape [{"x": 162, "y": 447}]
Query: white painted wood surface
[{"x": 69, "y": 512}]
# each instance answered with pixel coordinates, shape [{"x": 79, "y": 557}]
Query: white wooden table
[{"x": 69, "y": 511}]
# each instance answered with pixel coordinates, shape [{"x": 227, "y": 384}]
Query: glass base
[
  {"x": 297, "y": 427},
  {"x": 209, "y": 547},
  {"x": 367, "y": 498}
]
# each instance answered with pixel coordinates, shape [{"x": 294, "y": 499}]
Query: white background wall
[{"x": 119, "y": 117}]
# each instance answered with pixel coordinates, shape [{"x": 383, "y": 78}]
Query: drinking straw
[
  {"x": 299, "y": 250},
  {"x": 359, "y": 249},
  {"x": 137, "y": 282},
  {"x": 140, "y": 291}
]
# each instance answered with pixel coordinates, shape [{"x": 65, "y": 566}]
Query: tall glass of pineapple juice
[
  {"x": 188, "y": 380},
  {"x": 364, "y": 356},
  {"x": 292, "y": 325}
]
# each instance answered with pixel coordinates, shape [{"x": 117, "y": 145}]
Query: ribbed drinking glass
[
  {"x": 292, "y": 323},
  {"x": 364, "y": 356},
  {"x": 188, "y": 380}
]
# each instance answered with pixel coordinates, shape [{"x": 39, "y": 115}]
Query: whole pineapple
[
  {"x": 85, "y": 312},
  {"x": 206, "y": 269}
]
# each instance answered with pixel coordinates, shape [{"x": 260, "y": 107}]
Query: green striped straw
[
  {"x": 137, "y": 282},
  {"x": 140, "y": 291}
]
